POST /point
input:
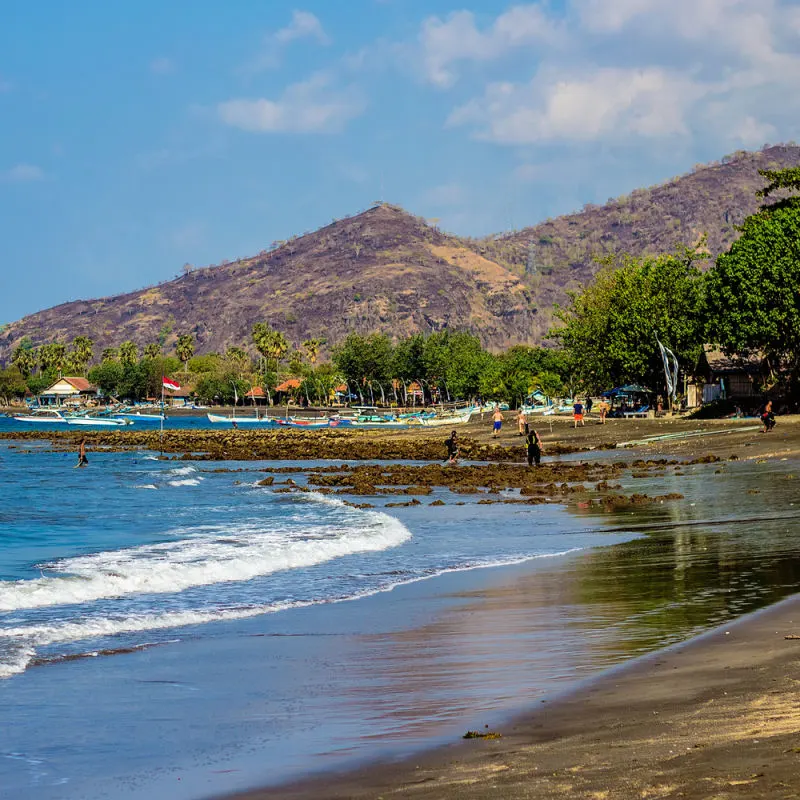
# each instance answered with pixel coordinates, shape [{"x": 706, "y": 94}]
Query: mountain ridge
[{"x": 387, "y": 270}]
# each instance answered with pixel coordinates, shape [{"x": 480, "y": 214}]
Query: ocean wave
[
  {"x": 186, "y": 482},
  {"x": 26, "y": 638},
  {"x": 206, "y": 555}
]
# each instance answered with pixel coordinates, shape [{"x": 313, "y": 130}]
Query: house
[
  {"x": 69, "y": 391},
  {"x": 178, "y": 397},
  {"x": 256, "y": 395},
  {"x": 726, "y": 377}
]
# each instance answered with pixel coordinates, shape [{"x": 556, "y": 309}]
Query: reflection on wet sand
[{"x": 727, "y": 550}]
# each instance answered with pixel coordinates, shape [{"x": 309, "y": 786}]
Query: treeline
[
  {"x": 747, "y": 302},
  {"x": 439, "y": 367}
]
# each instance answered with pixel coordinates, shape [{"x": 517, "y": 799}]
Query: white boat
[
  {"x": 139, "y": 415},
  {"x": 97, "y": 422},
  {"x": 456, "y": 418},
  {"x": 264, "y": 422},
  {"x": 42, "y": 415}
]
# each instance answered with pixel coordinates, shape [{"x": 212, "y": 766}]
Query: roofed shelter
[
  {"x": 69, "y": 391},
  {"x": 721, "y": 376}
]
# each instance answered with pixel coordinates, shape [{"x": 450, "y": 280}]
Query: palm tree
[
  {"x": 24, "y": 359},
  {"x": 312, "y": 347},
  {"x": 128, "y": 353},
  {"x": 270, "y": 343},
  {"x": 152, "y": 350},
  {"x": 52, "y": 357},
  {"x": 110, "y": 354},
  {"x": 81, "y": 352},
  {"x": 184, "y": 349}
]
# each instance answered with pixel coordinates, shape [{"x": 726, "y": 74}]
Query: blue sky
[{"x": 135, "y": 137}]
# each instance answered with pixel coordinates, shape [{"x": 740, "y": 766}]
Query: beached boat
[
  {"x": 304, "y": 424},
  {"x": 456, "y": 418}
]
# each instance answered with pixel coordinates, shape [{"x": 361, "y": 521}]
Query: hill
[
  {"x": 382, "y": 270},
  {"x": 560, "y": 254},
  {"x": 386, "y": 270}
]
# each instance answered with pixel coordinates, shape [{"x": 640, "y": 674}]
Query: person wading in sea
[
  {"x": 534, "y": 446},
  {"x": 82, "y": 460},
  {"x": 452, "y": 448}
]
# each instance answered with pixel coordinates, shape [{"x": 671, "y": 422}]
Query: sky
[{"x": 137, "y": 137}]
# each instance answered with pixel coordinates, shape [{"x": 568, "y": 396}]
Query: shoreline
[{"x": 715, "y": 716}]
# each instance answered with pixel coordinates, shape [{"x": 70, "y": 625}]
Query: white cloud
[
  {"x": 445, "y": 195},
  {"x": 24, "y": 173},
  {"x": 312, "y": 106},
  {"x": 444, "y": 43},
  {"x": 627, "y": 69},
  {"x": 649, "y": 102},
  {"x": 162, "y": 66},
  {"x": 304, "y": 25}
]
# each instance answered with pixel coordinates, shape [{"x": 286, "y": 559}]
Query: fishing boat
[
  {"x": 262, "y": 422},
  {"x": 43, "y": 415},
  {"x": 97, "y": 420},
  {"x": 304, "y": 424},
  {"x": 458, "y": 417}
]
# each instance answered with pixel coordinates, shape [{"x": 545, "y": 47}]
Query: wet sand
[{"x": 716, "y": 717}]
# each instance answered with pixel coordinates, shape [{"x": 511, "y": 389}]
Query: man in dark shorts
[
  {"x": 452, "y": 448},
  {"x": 768, "y": 417},
  {"x": 534, "y": 447},
  {"x": 82, "y": 460}
]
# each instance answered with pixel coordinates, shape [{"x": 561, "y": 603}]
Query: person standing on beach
[
  {"x": 522, "y": 421},
  {"x": 578, "y": 415},
  {"x": 497, "y": 421},
  {"x": 602, "y": 409},
  {"x": 452, "y": 448},
  {"x": 534, "y": 447},
  {"x": 589, "y": 404},
  {"x": 768, "y": 417},
  {"x": 82, "y": 460}
]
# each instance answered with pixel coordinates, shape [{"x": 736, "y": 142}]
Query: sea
[{"x": 173, "y": 629}]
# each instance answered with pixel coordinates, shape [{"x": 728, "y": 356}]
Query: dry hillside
[{"x": 387, "y": 270}]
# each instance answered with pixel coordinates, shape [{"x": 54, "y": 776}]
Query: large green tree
[
  {"x": 754, "y": 289},
  {"x": 610, "y": 328}
]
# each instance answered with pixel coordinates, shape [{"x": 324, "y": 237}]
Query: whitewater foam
[
  {"x": 25, "y": 639},
  {"x": 186, "y": 482},
  {"x": 203, "y": 556}
]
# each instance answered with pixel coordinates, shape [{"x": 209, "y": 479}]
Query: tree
[
  {"x": 12, "y": 384},
  {"x": 109, "y": 354},
  {"x": 753, "y": 300},
  {"x": 82, "y": 352},
  {"x": 52, "y": 357},
  {"x": 128, "y": 353},
  {"x": 365, "y": 362},
  {"x": 108, "y": 377},
  {"x": 237, "y": 361},
  {"x": 312, "y": 347},
  {"x": 184, "y": 348},
  {"x": 152, "y": 350},
  {"x": 610, "y": 329},
  {"x": 271, "y": 344},
  {"x": 24, "y": 359}
]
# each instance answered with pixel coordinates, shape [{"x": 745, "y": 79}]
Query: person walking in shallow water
[
  {"x": 534, "y": 446},
  {"x": 82, "y": 460},
  {"x": 452, "y": 448},
  {"x": 522, "y": 421}
]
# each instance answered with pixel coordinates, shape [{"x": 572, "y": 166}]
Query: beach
[
  {"x": 716, "y": 717},
  {"x": 230, "y": 652}
]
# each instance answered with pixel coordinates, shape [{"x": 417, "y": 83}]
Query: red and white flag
[{"x": 170, "y": 384}]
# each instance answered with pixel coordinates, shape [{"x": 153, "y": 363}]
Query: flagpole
[{"x": 161, "y": 433}]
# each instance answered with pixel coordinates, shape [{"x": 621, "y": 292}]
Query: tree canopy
[{"x": 610, "y": 328}]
